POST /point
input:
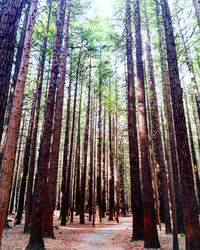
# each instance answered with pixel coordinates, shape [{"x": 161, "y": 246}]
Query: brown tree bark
[
  {"x": 190, "y": 208},
  {"x": 136, "y": 192},
  {"x": 193, "y": 153},
  {"x": 17, "y": 164},
  {"x": 18, "y": 58},
  {"x": 66, "y": 143},
  {"x": 78, "y": 156},
  {"x": 36, "y": 239},
  {"x": 25, "y": 169},
  {"x": 7, "y": 163},
  {"x": 189, "y": 62},
  {"x": 50, "y": 198},
  {"x": 150, "y": 230},
  {"x": 156, "y": 133},
  {"x": 9, "y": 18},
  {"x": 67, "y": 192},
  {"x": 111, "y": 162},
  {"x": 85, "y": 151},
  {"x": 99, "y": 151},
  {"x": 91, "y": 172},
  {"x": 170, "y": 124},
  {"x": 34, "y": 135},
  {"x": 104, "y": 167},
  {"x": 122, "y": 180}
]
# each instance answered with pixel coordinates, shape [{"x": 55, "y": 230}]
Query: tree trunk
[
  {"x": 104, "y": 167},
  {"x": 25, "y": 170},
  {"x": 7, "y": 163},
  {"x": 66, "y": 143},
  {"x": 190, "y": 66},
  {"x": 190, "y": 208},
  {"x": 122, "y": 180},
  {"x": 78, "y": 157},
  {"x": 99, "y": 151},
  {"x": 66, "y": 197},
  {"x": 50, "y": 198},
  {"x": 111, "y": 158},
  {"x": 156, "y": 133},
  {"x": 9, "y": 19},
  {"x": 18, "y": 58},
  {"x": 193, "y": 153},
  {"x": 37, "y": 101},
  {"x": 150, "y": 230},
  {"x": 136, "y": 192},
  {"x": 17, "y": 164},
  {"x": 170, "y": 125},
  {"x": 85, "y": 151},
  {"x": 36, "y": 240},
  {"x": 91, "y": 172}
]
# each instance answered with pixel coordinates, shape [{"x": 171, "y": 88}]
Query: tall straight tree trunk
[
  {"x": 67, "y": 191},
  {"x": 17, "y": 161},
  {"x": 91, "y": 172},
  {"x": 111, "y": 162},
  {"x": 190, "y": 208},
  {"x": 190, "y": 66},
  {"x": 99, "y": 151},
  {"x": 149, "y": 215},
  {"x": 36, "y": 239},
  {"x": 95, "y": 122},
  {"x": 156, "y": 133},
  {"x": 85, "y": 151},
  {"x": 7, "y": 164},
  {"x": 25, "y": 170},
  {"x": 78, "y": 156},
  {"x": 9, "y": 19},
  {"x": 170, "y": 124},
  {"x": 37, "y": 101},
  {"x": 122, "y": 179},
  {"x": 67, "y": 133},
  {"x": 193, "y": 153},
  {"x": 53, "y": 167},
  {"x": 18, "y": 58},
  {"x": 136, "y": 192},
  {"x": 104, "y": 167}
]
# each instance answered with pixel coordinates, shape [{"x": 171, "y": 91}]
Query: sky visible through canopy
[{"x": 102, "y": 7}]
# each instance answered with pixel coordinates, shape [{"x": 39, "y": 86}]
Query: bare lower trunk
[{"x": 149, "y": 215}]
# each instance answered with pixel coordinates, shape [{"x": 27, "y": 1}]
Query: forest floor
[{"x": 105, "y": 236}]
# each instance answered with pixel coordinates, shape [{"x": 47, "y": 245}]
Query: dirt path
[
  {"x": 105, "y": 236},
  {"x": 99, "y": 239}
]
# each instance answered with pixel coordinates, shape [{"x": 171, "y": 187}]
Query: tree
[
  {"x": 170, "y": 122},
  {"x": 136, "y": 191},
  {"x": 150, "y": 230},
  {"x": 190, "y": 208},
  {"x": 36, "y": 240},
  {"x": 9, "y": 19},
  {"x": 37, "y": 103},
  {"x": 156, "y": 133},
  {"x": 85, "y": 150},
  {"x": 9, "y": 154},
  {"x": 53, "y": 167},
  {"x": 67, "y": 192}
]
